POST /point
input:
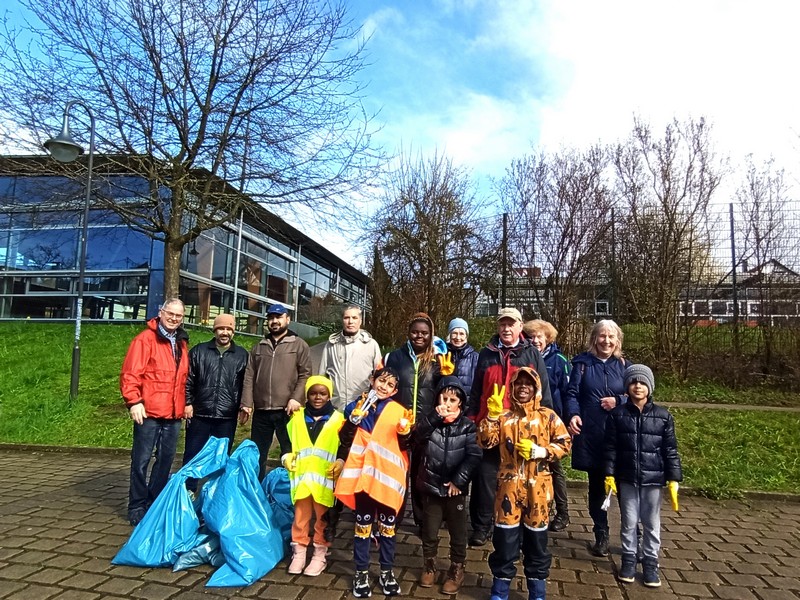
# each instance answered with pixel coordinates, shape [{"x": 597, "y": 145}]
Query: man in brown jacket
[{"x": 274, "y": 383}]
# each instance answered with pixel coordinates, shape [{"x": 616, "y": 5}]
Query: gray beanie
[
  {"x": 640, "y": 374},
  {"x": 456, "y": 324}
]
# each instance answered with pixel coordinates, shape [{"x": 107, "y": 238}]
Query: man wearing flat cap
[
  {"x": 214, "y": 389},
  {"x": 505, "y": 353},
  {"x": 274, "y": 383}
]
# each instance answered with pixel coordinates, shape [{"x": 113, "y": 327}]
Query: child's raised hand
[
  {"x": 405, "y": 423},
  {"x": 494, "y": 403},
  {"x": 446, "y": 365}
]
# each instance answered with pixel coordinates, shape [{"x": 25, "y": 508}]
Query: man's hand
[
  {"x": 452, "y": 490},
  {"x": 335, "y": 469},
  {"x": 289, "y": 461},
  {"x": 608, "y": 402},
  {"x": 575, "y": 424},
  {"x": 494, "y": 403},
  {"x": 138, "y": 413},
  {"x": 292, "y": 406},
  {"x": 610, "y": 484},
  {"x": 244, "y": 414},
  {"x": 446, "y": 365},
  {"x": 673, "y": 486},
  {"x": 188, "y": 412}
]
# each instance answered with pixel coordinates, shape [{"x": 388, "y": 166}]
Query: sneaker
[
  {"x": 136, "y": 515},
  {"x": 627, "y": 571},
  {"x": 650, "y": 571},
  {"x": 361, "y": 588},
  {"x": 559, "y": 523},
  {"x": 600, "y": 547},
  {"x": 478, "y": 538},
  {"x": 389, "y": 584}
]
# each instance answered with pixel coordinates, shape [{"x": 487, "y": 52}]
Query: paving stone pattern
[{"x": 62, "y": 519}]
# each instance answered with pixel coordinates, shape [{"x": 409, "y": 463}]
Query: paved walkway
[{"x": 62, "y": 519}]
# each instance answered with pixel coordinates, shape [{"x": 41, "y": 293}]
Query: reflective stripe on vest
[{"x": 310, "y": 478}]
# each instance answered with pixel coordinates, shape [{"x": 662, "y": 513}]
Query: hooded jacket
[
  {"x": 276, "y": 373},
  {"x": 349, "y": 360},
  {"x": 558, "y": 369},
  {"x": 640, "y": 446},
  {"x": 153, "y": 376},
  {"x": 214, "y": 385},
  {"x": 450, "y": 450},
  {"x": 590, "y": 380},
  {"x": 465, "y": 360},
  {"x": 524, "y": 487}
]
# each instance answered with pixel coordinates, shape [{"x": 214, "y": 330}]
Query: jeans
[
  {"x": 265, "y": 424},
  {"x": 198, "y": 431},
  {"x": 451, "y": 509},
  {"x": 560, "y": 488},
  {"x": 484, "y": 485},
  {"x": 160, "y": 435},
  {"x": 640, "y": 504},
  {"x": 536, "y": 559},
  {"x": 597, "y": 494}
]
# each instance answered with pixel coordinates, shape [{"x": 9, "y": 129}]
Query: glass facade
[{"x": 235, "y": 267}]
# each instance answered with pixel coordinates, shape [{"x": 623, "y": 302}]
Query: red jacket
[{"x": 151, "y": 375}]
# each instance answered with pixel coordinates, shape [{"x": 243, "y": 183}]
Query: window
[{"x": 601, "y": 308}]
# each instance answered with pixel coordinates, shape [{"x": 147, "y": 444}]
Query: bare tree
[
  {"x": 432, "y": 240},
  {"x": 261, "y": 94}
]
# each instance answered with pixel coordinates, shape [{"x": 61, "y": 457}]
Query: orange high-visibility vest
[{"x": 375, "y": 464}]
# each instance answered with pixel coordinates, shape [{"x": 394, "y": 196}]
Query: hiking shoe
[
  {"x": 559, "y": 523},
  {"x": 650, "y": 571},
  {"x": 389, "y": 584},
  {"x": 136, "y": 515},
  {"x": 627, "y": 571},
  {"x": 455, "y": 579},
  {"x": 428, "y": 577},
  {"x": 361, "y": 588},
  {"x": 478, "y": 538},
  {"x": 600, "y": 547}
]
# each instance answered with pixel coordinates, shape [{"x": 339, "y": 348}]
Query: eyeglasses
[{"x": 171, "y": 315}]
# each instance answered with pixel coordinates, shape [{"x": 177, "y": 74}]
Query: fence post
[{"x": 735, "y": 329}]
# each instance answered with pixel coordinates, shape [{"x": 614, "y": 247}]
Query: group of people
[{"x": 434, "y": 420}]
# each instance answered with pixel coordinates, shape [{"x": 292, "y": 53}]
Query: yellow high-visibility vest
[{"x": 310, "y": 478}]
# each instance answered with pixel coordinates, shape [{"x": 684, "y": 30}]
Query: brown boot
[
  {"x": 428, "y": 577},
  {"x": 455, "y": 578}
]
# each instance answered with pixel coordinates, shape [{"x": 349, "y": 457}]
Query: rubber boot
[
  {"x": 500, "y": 589},
  {"x": 299, "y": 553},
  {"x": 455, "y": 579},
  {"x": 537, "y": 589},
  {"x": 318, "y": 561}
]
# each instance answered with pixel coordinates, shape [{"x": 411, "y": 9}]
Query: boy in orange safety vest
[{"x": 374, "y": 439}]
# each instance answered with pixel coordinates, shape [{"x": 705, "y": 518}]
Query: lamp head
[{"x": 63, "y": 148}]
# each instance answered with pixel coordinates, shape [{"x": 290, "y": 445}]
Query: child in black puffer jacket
[{"x": 450, "y": 455}]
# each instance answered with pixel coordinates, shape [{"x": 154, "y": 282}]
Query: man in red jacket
[{"x": 153, "y": 385}]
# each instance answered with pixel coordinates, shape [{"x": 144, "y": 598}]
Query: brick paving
[{"x": 62, "y": 519}]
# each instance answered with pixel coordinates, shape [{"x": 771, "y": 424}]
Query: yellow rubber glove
[
  {"x": 673, "y": 486},
  {"x": 495, "y": 403},
  {"x": 446, "y": 365},
  {"x": 335, "y": 469},
  {"x": 404, "y": 424},
  {"x": 610, "y": 484},
  {"x": 524, "y": 448},
  {"x": 289, "y": 461}
]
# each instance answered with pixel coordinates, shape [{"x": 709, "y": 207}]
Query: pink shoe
[
  {"x": 318, "y": 561},
  {"x": 299, "y": 553}
]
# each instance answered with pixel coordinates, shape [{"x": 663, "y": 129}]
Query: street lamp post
[{"x": 64, "y": 149}]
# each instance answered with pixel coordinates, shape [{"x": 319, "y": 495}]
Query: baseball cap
[
  {"x": 277, "y": 309},
  {"x": 509, "y": 313}
]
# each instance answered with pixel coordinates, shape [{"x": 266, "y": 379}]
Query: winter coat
[
  {"x": 349, "y": 360},
  {"x": 276, "y": 373},
  {"x": 214, "y": 385},
  {"x": 497, "y": 364},
  {"x": 153, "y": 376},
  {"x": 450, "y": 450},
  {"x": 558, "y": 369},
  {"x": 465, "y": 360},
  {"x": 640, "y": 446},
  {"x": 590, "y": 380},
  {"x": 524, "y": 487},
  {"x": 403, "y": 361}
]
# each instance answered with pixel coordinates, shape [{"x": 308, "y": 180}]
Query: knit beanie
[
  {"x": 457, "y": 324},
  {"x": 640, "y": 374},
  {"x": 224, "y": 320},
  {"x": 319, "y": 380}
]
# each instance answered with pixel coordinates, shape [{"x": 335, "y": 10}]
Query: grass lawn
[{"x": 722, "y": 451}]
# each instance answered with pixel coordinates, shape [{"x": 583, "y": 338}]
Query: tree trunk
[{"x": 172, "y": 269}]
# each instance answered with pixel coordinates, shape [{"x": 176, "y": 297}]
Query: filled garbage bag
[
  {"x": 207, "y": 551},
  {"x": 278, "y": 490},
  {"x": 239, "y": 513},
  {"x": 171, "y": 524}
]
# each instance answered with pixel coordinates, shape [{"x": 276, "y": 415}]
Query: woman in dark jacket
[
  {"x": 596, "y": 386},
  {"x": 446, "y": 439},
  {"x": 465, "y": 357}
]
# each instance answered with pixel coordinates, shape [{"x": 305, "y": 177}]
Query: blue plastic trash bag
[
  {"x": 240, "y": 514},
  {"x": 171, "y": 525},
  {"x": 207, "y": 551},
  {"x": 278, "y": 489}
]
